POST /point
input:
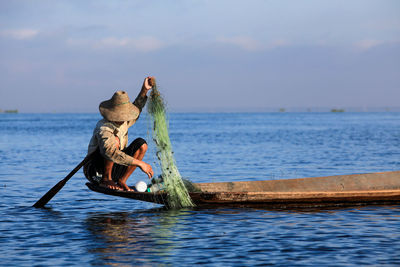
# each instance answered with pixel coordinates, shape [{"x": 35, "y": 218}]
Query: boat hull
[{"x": 341, "y": 190}]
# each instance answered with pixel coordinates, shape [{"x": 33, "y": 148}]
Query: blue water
[{"x": 80, "y": 227}]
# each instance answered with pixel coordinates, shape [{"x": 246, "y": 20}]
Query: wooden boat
[{"x": 340, "y": 190}]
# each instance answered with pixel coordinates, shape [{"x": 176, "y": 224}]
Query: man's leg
[
  {"x": 107, "y": 178},
  {"x": 138, "y": 154}
]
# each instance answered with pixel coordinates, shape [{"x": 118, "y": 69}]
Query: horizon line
[{"x": 222, "y": 110}]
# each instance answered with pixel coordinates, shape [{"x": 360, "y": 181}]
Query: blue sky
[{"x": 67, "y": 56}]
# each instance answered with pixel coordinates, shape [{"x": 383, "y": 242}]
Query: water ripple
[{"x": 79, "y": 227}]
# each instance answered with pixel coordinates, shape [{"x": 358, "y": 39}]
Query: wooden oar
[{"x": 53, "y": 191}]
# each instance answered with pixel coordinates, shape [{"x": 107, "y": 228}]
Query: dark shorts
[{"x": 94, "y": 169}]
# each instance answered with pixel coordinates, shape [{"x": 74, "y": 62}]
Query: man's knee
[
  {"x": 141, "y": 143},
  {"x": 138, "y": 145},
  {"x": 143, "y": 148}
]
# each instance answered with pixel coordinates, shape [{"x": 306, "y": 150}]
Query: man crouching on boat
[{"x": 112, "y": 162}]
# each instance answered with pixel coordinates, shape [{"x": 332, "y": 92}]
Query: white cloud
[
  {"x": 78, "y": 42},
  {"x": 243, "y": 42},
  {"x": 20, "y": 34},
  {"x": 367, "y": 44},
  {"x": 278, "y": 43},
  {"x": 113, "y": 42},
  {"x": 143, "y": 44},
  {"x": 148, "y": 43},
  {"x": 250, "y": 44}
]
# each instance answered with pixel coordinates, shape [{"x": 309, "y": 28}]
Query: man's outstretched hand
[
  {"x": 148, "y": 83},
  {"x": 147, "y": 169}
]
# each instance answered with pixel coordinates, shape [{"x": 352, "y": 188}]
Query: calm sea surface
[{"x": 80, "y": 227}]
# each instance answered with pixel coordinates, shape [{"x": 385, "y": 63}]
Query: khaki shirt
[{"x": 106, "y": 135}]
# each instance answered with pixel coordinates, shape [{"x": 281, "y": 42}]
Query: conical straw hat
[{"x": 119, "y": 108}]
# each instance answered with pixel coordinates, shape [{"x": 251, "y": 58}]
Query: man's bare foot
[
  {"x": 124, "y": 186},
  {"x": 110, "y": 185}
]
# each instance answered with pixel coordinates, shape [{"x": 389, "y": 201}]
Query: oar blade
[
  {"x": 50, "y": 194},
  {"x": 54, "y": 190}
]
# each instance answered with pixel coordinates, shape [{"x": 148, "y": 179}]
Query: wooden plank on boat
[{"x": 354, "y": 182}]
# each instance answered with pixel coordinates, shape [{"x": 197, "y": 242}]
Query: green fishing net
[{"x": 177, "y": 193}]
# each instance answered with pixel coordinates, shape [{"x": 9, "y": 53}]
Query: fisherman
[{"x": 112, "y": 162}]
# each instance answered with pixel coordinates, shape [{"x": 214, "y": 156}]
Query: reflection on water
[
  {"x": 243, "y": 235},
  {"x": 122, "y": 237}
]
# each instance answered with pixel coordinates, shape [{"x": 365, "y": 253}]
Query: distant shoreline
[
  {"x": 299, "y": 110},
  {"x": 9, "y": 111},
  {"x": 333, "y": 109}
]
